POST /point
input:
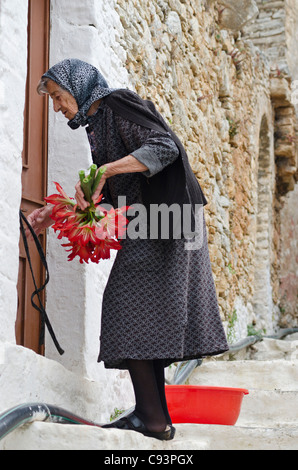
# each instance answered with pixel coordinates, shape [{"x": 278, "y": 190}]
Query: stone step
[
  {"x": 51, "y": 436},
  {"x": 272, "y": 349},
  {"x": 251, "y": 374},
  {"x": 211, "y": 437},
  {"x": 266, "y": 410},
  {"x": 268, "y": 418},
  {"x": 269, "y": 409},
  {"x": 189, "y": 437}
]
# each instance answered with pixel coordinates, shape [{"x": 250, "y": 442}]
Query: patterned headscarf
[{"x": 83, "y": 81}]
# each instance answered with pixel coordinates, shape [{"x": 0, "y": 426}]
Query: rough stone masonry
[{"x": 219, "y": 93}]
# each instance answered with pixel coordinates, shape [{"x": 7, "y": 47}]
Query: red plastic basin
[{"x": 204, "y": 405}]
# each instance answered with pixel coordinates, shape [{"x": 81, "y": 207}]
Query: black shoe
[
  {"x": 173, "y": 431},
  {"x": 133, "y": 423}
]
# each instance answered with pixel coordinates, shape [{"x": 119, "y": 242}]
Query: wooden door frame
[
  {"x": 28, "y": 320},
  {"x": 30, "y": 85}
]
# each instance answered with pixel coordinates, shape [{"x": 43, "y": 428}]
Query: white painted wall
[
  {"x": 87, "y": 31},
  {"x": 13, "y": 71}
]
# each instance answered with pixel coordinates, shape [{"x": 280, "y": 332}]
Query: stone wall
[
  {"x": 214, "y": 91},
  {"x": 269, "y": 33},
  {"x": 275, "y": 32}
]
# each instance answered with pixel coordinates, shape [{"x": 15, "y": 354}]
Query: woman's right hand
[
  {"x": 39, "y": 220},
  {"x": 80, "y": 198},
  {"x": 79, "y": 195}
]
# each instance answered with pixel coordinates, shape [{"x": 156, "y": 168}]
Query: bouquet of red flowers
[{"x": 92, "y": 232}]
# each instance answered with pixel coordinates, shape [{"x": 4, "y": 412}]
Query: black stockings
[{"x": 148, "y": 381}]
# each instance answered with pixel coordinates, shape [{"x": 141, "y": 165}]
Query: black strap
[{"x": 40, "y": 308}]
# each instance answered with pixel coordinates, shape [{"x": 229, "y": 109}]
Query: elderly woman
[{"x": 160, "y": 304}]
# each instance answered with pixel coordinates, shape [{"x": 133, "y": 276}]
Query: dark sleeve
[{"x": 152, "y": 148}]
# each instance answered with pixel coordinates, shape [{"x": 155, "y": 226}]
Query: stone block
[
  {"x": 284, "y": 149},
  {"x": 280, "y": 92},
  {"x": 174, "y": 24},
  {"x": 237, "y": 14}
]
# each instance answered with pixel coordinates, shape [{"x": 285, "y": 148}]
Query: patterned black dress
[{"x": 160, "y": 300}]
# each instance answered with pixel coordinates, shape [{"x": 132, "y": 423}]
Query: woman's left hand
[{"x": 39, "y": 220}]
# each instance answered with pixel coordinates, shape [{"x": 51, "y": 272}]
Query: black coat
[{"x": 174, "y": 184}]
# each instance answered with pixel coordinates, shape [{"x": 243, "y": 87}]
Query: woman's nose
[{"x": 56, "y": 107}]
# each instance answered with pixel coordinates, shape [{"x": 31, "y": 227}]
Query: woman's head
[
  {"x": 62, "y": 100},
  {"x": 79, "y": 79}
]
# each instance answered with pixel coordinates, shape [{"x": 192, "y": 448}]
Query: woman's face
[{"x": 62, "y": 100}]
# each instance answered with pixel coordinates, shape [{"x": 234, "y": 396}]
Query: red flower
[
  {"x": 60, "y": 198},
  {"x": 92, "y": 233},
  {"x": 77, "y": 250},
  {"x": 113, "y": 224},
  {"x": 103, "y": 248},
  {"x": 82, "y": 234}
]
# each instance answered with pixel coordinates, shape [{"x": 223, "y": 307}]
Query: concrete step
[
  {"x": 269, "y": 409},
  {"x": 239, "y": 438},
  {"x": 273, "y": 388},
  {"x": 51, "y": 436},
  {"x": 263, "y": 375},
  {"x": 271, "y": 349},
  {"x": 268, "y": 418},
  {"x": 189, "y": 437}
]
